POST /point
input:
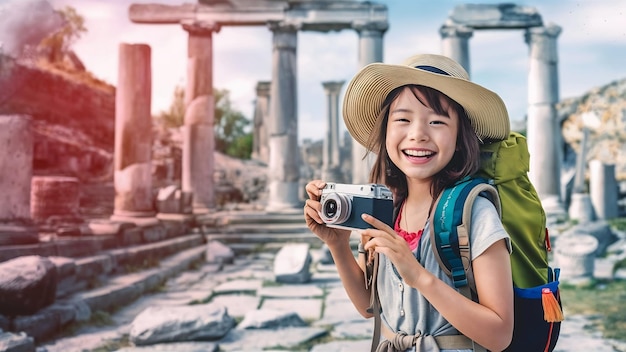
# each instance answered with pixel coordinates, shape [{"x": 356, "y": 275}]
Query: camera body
[{"x": 343, "y": 204}]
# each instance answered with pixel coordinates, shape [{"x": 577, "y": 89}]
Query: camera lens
[
  {"x": 330, "y": 208},
  {"x": 336, "y": 208}
]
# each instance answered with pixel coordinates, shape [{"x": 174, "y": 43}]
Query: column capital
[
  {"x": 551, "y": 31},
  {"x": 542, "y": 42},
  {"x": 333, "y": 87},
  {"x": 285, "y": 35},
  {"x": 283, "y": 26},
  {"x": 263, "y": 88},
  {"x": 368, "y": 27},
  {"x": 200, "y": 27},
  {"x": 447, "y": 31}
]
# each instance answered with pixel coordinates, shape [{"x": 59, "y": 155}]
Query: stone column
[
  {"x": 603, "y": 189},
  {"x": 576, "y": 255},
  {"x": 199, "y": 133},
  {"x": 284, "y": 160},
  {"x": 260, "y": 148},
  {"x": 580, "y": 207},
  {"x": 16, "y": 154},
  {"x": 544, "y": 136},
  {"x": 133, "y": 134},
  {"x": 370, "y": 50},
  {"x": 331, "y": 160},
  {"x": 455, "y": 44}
]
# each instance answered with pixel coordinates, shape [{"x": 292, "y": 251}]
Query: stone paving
[{"x": 248, "y": 284}]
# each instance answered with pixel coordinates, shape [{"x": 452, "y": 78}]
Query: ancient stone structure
[
  {"x": 73, "y": 121},
  {"x": 197, "y": 177},
  {"x": 331, "y": 155},
  {"x": 260, "y": 144},
  {"x": 133, "y": 134},
  {"x": 16, "y": 139},
  {"x": 284, "y": 171},
  {"x": 575, "y": 256},
  {"x": 580, "y": 207},
  {"x": 603, "y": 189},
  {"x": 544, "y": 137},
  {"x": 54, "y": 197},
  {"x": 284, "y": 19},
  {"x": 543, "y": 90},
  {"x": 370, "y": 50}
]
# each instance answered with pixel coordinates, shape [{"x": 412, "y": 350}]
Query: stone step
[
  {"x": 115, "y": 291},
  {"x": 76, "y": 275},
  {"x": 261, "y": 229},
  {"x": 100, "y": 235},
  {"x": 250, "y": 217},
  {"x": 251, "y": 240}
]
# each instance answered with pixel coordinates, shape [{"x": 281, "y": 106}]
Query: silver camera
[{"x": 343, "y": 204}]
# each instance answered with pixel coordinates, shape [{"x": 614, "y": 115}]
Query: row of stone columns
[
  {"x": 279, "y": 127},
  {"x": 543, "y": 133}
]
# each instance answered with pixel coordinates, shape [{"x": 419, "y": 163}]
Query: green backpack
[{"x": 503, "y": 179}]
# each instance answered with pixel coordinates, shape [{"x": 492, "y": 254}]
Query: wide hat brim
[{"x": 368, "y": 89}]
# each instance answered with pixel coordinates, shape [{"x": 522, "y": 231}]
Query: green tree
[
  {"x": 175, "y": 115},
  {"x": 57, "y": 44},
  {"x": 232, "y": 134}
]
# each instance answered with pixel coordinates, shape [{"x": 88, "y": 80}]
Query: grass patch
[
  {"x": 603, "y": 299},
  {"x": 618, "y": 224},
  {"x": 114, "y": 345},
  {"x": 305, "y": 346}
]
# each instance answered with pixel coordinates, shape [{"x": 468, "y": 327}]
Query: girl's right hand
[{"x": 312, "y": 207}]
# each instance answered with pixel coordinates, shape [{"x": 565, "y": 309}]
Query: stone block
[
  {"x": 132, "y": 236},
  {"x": 91, "y": 267},
  {"x": 11, "y": 342},
  {"x": 270, "y": 319},
  {"x": 307, "y": 308},
  {"x": 505, "y": 15},
  {"x": 575, "y": 255},
  {"x": 292, "y": 263},
  {"x": 218, "y": 252},
  {"x": 154, "y": 233},
  {"x": 108, "y": 227},
  {"x": 18, "y": 234},
  {"x": 27, "y": 284},
  {"x": 157, "y": 324}
]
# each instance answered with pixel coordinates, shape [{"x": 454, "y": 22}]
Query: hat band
[{"x": 432, "y": 69}]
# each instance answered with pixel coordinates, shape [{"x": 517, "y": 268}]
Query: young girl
[{"x": 424, "y": 121}]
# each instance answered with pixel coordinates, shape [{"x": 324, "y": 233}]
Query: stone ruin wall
[
  {"x": 607, "y": 142},
  {"x": 74, "y": 122}
]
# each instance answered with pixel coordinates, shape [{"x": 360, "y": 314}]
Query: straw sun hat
[{"x": 371, "y": 85}]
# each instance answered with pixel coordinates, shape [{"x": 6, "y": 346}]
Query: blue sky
[{"x": 592, "y": 50}]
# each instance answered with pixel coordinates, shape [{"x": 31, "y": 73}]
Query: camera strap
[{"x": 371, "y": 273}]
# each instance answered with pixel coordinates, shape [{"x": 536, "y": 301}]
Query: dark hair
[{"x": 464, "y": 162}]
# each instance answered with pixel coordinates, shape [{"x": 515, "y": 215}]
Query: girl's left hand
[{"x": 385, "y": 240}]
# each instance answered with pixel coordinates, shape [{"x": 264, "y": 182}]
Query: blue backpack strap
[
  {"x": 445, "y": 222},
  {"x": 450, "y": 235}
]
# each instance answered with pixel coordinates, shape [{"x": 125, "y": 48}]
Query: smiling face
[{"x": 420, "y": 141}]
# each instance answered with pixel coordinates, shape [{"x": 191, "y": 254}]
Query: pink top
[{"x": 412, "y": 238}]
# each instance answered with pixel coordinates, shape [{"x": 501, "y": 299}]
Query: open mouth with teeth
[{"x": 412, "y": 153}]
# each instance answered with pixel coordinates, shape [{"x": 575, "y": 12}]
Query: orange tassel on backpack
[{"x": 551, "y": 309}]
